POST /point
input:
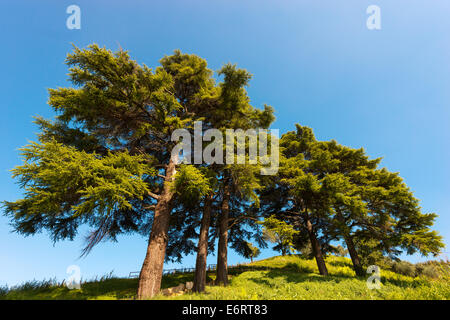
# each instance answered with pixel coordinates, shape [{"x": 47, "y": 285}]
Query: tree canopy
[{"x": 108, "y": 160}]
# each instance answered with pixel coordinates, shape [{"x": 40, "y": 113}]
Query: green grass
[{"x": 286, "y": 278}]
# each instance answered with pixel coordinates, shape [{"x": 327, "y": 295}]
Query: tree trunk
[
  {"x": 222, "y": 268},
  {"x": 350, "y": 246},
  {"x": 317, "y": 250},
  {"x": 202, "y": 251},
  {"x": 152, "y": 269},
  {"x": 354, "y": 256}
]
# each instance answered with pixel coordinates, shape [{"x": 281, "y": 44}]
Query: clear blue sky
[{"x": 315, "y": 61}]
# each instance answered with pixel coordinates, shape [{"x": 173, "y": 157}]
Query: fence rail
[
  {"x": 238, "y": 268},
  {"x": 209, "y": 267}
]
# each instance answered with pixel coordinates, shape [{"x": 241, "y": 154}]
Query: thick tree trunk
[
  {"x": 354, "y": 256},
  {"x": 202, "y": 250},
  {"x": 152, "y": 268},
  {"x": 222, "y": 267},
  {"x": 317, "y": 250},
  {"x": 350, "y": 246}
]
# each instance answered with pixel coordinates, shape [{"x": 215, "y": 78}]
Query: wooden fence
[
  {"x": 209, "y": 267},
  {"x": 234, "y": 269}
]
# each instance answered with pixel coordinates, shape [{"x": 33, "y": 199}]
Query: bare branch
[{"x": 153, "y": 195}]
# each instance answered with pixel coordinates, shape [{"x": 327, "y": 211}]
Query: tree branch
[
  {"x": 153, "y": 195},
  {"x": 240, "y": 219}
]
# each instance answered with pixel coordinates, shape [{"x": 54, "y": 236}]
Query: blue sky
[{"x": 314, "y": 61}]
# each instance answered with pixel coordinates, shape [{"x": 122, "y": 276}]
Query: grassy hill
[{"x": 288, "y": 277}]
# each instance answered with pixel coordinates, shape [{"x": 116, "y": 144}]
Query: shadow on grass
[
  {"x": 291, "y": 267},
  {"x": 116, "y": 288},
  {"x": 299, "y": 277},
  {"x": 293, "y": 273}
]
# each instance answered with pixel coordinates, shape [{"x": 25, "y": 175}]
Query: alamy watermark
[
  {"x": 373, "y": 282},
  {"x": 235, "y": 143},
  {"x": 374, "y": 20},
  {"x": 74, "y": 20},
  {"x": 74, "y": 280}
]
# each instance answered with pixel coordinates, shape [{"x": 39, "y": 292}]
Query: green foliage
[
  {"x": 250, "y": 251},
  {"x": 428, "y": 271},
  {"x": 341, "y": 251},
  {"x": 224, "y": 105},
  {"x": 405, "y": 268},
  {"x": 191, "y": 184},
  {"x": 349, "y": 198},
  {"x": 279, "y": 232},
  {"x": 101, "y": 161},
  {"x": 246, "y": 181},
  {"x": 434, "y": 269},
  {"x": 370, "y": 254},
  {"x": 305, "y": 250},
  {"x": 193, "y": 81},
  {"x": 65, "y": 185}
]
